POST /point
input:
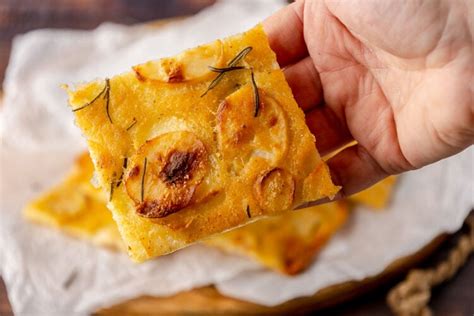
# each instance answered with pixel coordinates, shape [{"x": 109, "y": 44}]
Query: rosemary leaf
[
  {"x": 111, "y": 190},
  {"x": 225, "y": 69},
  {"x": 134, "y": 121},
  {"x": 106, "y": 87},
  {"x": 230, "y": 64},
  {"x": 107, "y": 99},
  {"x": 244, "y": 52},
  {"x": 256, "y": 96},
  {"x": 248, "y": 212},
  {"x": 143, "y": 180},
  {"x": 213, "y": 83}
]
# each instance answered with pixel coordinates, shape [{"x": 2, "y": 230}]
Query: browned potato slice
[
  {"x": 274, "y": 190},
  {"x": 189, "y": 65},
  {"x": 165, "y": 173},
  {"x": 242, "y": 136}
]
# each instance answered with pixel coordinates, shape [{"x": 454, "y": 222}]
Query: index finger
[{"x": 285, "y": 34}]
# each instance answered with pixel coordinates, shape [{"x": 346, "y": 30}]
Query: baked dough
[
  {"x": 184, "y": 145},
  {"x": 77, "y": 208},
  {"x": 289, "y": 242}
]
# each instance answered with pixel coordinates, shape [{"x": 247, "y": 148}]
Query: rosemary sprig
[
  {"x": 106, "y": 87},
  {"x": 219, "y": 77},
  {"x": 124, "y": 167},
  {"x": 256, "y": 96},
  {"x": 143, "y": 179},
  {"x": 213, "y": 83},
  {"x": 134, "y": 121},
  {"x": 248, "y": 212},
  {"x": 230, "y": 64},
  {"x": 225, "y": 69},
  {"x": 107, "y": 99},
  {"x": 105, "y": 93},
  {"x": 111, "y": 189},
  {"x": 244, "y": 52}
]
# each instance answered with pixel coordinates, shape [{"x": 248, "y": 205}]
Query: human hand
[{"x": 396, "y": 76}]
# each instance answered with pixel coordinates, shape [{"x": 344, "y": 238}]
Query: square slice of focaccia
[
  {"x": 76, "y": 207},
  {"x": 286, "y": 243},
  {"x": 185, "y": 146}
]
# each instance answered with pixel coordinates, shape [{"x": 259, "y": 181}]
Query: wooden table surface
[{"x": 18, "y": 16}]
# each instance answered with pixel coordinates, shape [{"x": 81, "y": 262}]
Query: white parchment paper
[{"x": 49, "y": 273}]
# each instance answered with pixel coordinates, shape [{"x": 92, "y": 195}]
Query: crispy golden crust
[
  {"x": 286, "y": 243},
  {"x": 77, "y": 208},
  {"x": 197, "y": 157}
]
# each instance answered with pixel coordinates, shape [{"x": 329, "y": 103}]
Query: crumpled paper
[{"x": 48, "y": 273}]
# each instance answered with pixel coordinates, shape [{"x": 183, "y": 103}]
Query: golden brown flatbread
[
  {"x": 185, "y": 145},
  {"x": 76, "y": 207},
  {"x": 289, "y": 242}
]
